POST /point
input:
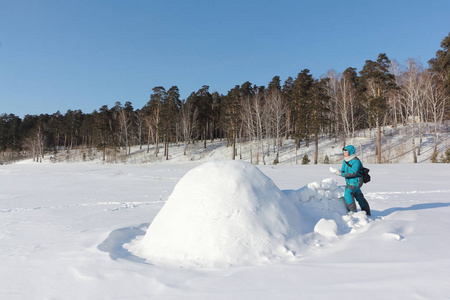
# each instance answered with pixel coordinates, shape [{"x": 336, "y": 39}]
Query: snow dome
[{"x": 219, "y": 214}]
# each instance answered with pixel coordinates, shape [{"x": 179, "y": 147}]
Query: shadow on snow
[
  {"x": 117, "y": 238},
  {"x": 421, "y": 206}
]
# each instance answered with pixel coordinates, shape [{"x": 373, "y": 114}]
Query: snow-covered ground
[
  {"x": 63, "y": 228},
  {"x": 396, "y": 148}
]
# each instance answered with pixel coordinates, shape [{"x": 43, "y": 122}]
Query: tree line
[{"x": 302, "y": 108}]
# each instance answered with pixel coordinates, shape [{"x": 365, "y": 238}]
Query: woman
[{"x": 352, "y": 171}]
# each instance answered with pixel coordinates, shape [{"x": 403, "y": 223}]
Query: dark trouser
[{"x": 353, "y": 192}]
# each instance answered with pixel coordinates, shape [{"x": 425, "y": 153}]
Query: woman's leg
[
  {"x": 359, "y": 196},
  {"x": 351, "y": 206}
]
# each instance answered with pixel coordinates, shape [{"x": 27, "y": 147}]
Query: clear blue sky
[{"x": 82, "y": 54}]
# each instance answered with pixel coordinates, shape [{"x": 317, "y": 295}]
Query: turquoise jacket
[{"x": 352, "y": 168}]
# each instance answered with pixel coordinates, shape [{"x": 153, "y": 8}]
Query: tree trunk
[
  {"x": 167, "y": 150},
  {"x": 378, "y": 142},
  {"x": 234, "y": 142},
  {"x": 413, "y": 144},
  {"x": 316, "y": 148}
]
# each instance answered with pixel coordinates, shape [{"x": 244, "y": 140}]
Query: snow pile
[{"x": 223, "y": 213}]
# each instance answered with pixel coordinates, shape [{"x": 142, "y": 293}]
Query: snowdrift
[{"x": 228, "y": 213}]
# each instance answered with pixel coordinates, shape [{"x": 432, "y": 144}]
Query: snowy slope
[
  {"x": 396, "y": 148},
  {"x": 63, "y": 227}
]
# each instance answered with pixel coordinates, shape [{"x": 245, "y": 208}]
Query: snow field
[{"x": 63, "y": 228}]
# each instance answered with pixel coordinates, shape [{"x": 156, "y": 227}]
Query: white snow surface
[{"x": 85, "y": 231}]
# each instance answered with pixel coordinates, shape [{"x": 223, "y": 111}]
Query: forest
[{"x": 304, "y": 108}]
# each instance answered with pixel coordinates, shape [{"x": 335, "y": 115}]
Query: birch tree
[
  {"x": 276, "y": 108},
  {"x": 411, "y": 89},
  {"x": 188, "y": 120},
  {"x": 436, "y": 102}
]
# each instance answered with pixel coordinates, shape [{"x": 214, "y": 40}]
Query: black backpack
[
  {"x": 365, "y": 173},
  {"x": 366, "y": 176}
]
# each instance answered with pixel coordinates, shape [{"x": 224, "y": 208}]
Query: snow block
[
  {"x": 322, "y": 195},
  {"x": 326, "y": 228}
]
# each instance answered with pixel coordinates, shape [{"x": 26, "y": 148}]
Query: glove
[{"x": 335, "y": 171}]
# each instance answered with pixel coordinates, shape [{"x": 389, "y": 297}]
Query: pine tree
[
  {"x": 230, "y": 116},
  {"x": 154, "y": 108},
  {"x": 377, "y": 81},
  {"x": 305, "y": 160},
  {"x": 204, "y": 104},
  {"x": 169, "y": 117},
  {"x": 105, "y": 130},
  {"x": 10, "y": 132},
  {"x": 287, "y": 92},
  {"x": 319, "y": 119},
  {"x": 302, "y": 103},
  {"x": 440, "y": 67},
  {"x": 351, "y": 109},
  {"x": 441, "y": 63},
  {"x": 274, "y": 84}
]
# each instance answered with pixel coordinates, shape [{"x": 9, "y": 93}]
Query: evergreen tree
[
  {"x": 10, "y": 132},
  {"x": 287, "y": 92},
  {"x": 319, "y": 119},
  {"x": 169, "y": 117},
  {"x": 230, "y": 116},
  {"x": 377, "y": 81},
  {"x": 302, "y": 101},
  {"x": 57, "y": 123},
  {"x": 154, "y": 109},
  {"x": 105, "y": 130},
  {"x": 204, "y": 105},
  {"x": 215, "y": 117},
  {"x": 274, "y": 84},
  {"x": 305, "y": 160},
  {"x": 440, "y": 67},
  {"x": 87, "y": 130}
]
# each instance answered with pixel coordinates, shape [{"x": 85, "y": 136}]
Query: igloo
[{"x": 222, "y": 213}]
